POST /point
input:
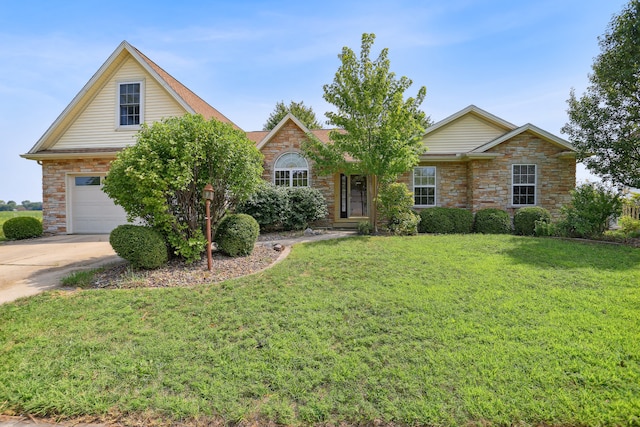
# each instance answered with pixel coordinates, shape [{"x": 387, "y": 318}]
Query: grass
[
  {"x": 81, "y": 278},
  {"x": 426, "y": 330},
  {"x": 5, "y": 215}
]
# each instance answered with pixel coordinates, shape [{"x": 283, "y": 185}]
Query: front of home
[{"x": 474, "y": 159}]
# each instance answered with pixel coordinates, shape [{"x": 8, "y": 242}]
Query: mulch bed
[{"x": 178, "y": 274}]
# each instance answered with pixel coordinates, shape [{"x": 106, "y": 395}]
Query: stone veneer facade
[
  {"x": 288, "y": 140},
  {"x": 474, "y": 184},
  {"x": 54, "y": 188},
  {"x": 478, "y": 184}
]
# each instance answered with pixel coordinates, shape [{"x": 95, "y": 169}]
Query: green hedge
[
  {"x": 445, "y": 220},
  {"x": 492, "y": 221},
  {"x": 237, "y": 234},
  {"x": 22, "y": 227},
  {"x": 282, "y": 207},
  {"x": 524, "y": 220},
  {"x": 142, "y": 246}
]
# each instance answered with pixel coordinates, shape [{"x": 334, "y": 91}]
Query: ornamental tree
[
  {"x": 302, "y": 112},
  {"x": 160, "y": 179},
  {"x": 379, "y": 131},
  {"x": 604, "y": 124}
]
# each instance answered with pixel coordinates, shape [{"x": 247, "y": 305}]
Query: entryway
[{"x": 353, "y": 196}]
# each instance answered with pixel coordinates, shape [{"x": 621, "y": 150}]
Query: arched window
[{"x": 291, "y": 170}]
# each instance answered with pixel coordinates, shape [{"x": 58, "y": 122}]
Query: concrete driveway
[{"x": 29, "y": 267}]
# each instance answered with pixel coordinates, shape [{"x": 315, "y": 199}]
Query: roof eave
[
  {"x": 61, "y": 156},
  {"x": 458, "y": 157}
]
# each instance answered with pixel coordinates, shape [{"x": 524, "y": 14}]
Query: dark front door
[{"x": 353, "y": 196}]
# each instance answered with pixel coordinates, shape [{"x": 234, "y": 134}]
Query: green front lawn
[
  {"x": 5, "y": 215},
  {"x": 426, "y": 330}
]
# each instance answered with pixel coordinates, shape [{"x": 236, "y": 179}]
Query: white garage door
[{"x": 92, "y": 211}]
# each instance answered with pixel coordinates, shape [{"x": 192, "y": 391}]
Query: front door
[{"x": 353, "y": 196}]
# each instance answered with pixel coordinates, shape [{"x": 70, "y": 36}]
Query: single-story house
[{"x": 474, "y": 159}]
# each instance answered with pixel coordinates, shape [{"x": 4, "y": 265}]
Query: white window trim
[
  {"x": 308, "y": 170},
  {"x": 534, "y": 185},
  {"x": 434, "y": 186},
  {"x": 142, "y": 97}
]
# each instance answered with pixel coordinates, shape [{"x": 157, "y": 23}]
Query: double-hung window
[
  {"x": 523, "y": 185},
  {"x": 130, "y": 104},
  {"x": 291, "y": 170},
  {"x": 424, "y": 186}
]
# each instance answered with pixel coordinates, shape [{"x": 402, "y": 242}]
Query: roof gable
[
  {"x": 473, "y": 131},
  {"x": 540, "y": 133},
  {"x": 475, "y": 111},
  {"x": 179, "y": 94},
  {"x": 280, "y": 125},
  {"x": 464, "y": 131}
]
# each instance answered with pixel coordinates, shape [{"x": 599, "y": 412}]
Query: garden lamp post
[{"x": 207, "y": 193}]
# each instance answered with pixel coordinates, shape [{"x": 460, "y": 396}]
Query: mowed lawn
[
  {"x": 425, "y": 330},
  {"x": 5, "y": 215}
]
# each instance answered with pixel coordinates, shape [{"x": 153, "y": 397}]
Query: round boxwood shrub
[
  {"x": 22, "y": 227},
  {"x": 492, "y": 221},
  {"x": 237, "y": 234},
  {"x": 524, "y": 220},
  {"x": 142, "y": 246},
  {"x": 435, "y": 220},
  {"x": 446, "y": 220},
  {"x": 462, "y": 220}
]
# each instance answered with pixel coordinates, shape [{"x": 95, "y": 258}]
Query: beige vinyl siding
[
  {"x": 95, "y": 126},
  {"x": 462, "y": 135}
]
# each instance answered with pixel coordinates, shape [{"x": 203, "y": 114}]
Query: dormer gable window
[{"x": 130, "y": 105}]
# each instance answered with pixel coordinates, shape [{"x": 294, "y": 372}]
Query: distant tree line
[{"x": 26, "y": 204}]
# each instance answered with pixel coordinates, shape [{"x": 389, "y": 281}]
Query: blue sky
[{"x": 515, "y": 59}]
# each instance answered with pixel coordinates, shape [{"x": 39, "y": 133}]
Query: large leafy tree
[
  {"x": 302, "y": 112},
  {"x": 160, "y": 179},
  {"x": 379, "y": 131},
  {"x": 604, "y": 124}
]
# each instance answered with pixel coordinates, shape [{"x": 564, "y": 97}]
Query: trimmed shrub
[
  {"x": 492, "y": 221},
  {"x": 268, "y": 206},
  {"x": 462, "y": 220},
  {"x": 304, "y": 206},
  {"x": 404, "y": 224},
  {"x": 142, "y": 246},
  {"x": 282, "y": 207},
  {"x": 365, "y": 228},
  {"x": 237, "y": 234},
  {"x": 22, "y": 227},
  {"x": 445, "y": 220},
  {"x": 524, "y": 220},
  {"x": 435, "y": 220}
]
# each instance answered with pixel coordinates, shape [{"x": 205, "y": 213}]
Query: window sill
[{"x": 128, "y": 128}]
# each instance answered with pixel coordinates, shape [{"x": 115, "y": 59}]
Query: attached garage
[{"x": 91, "y": 211}]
